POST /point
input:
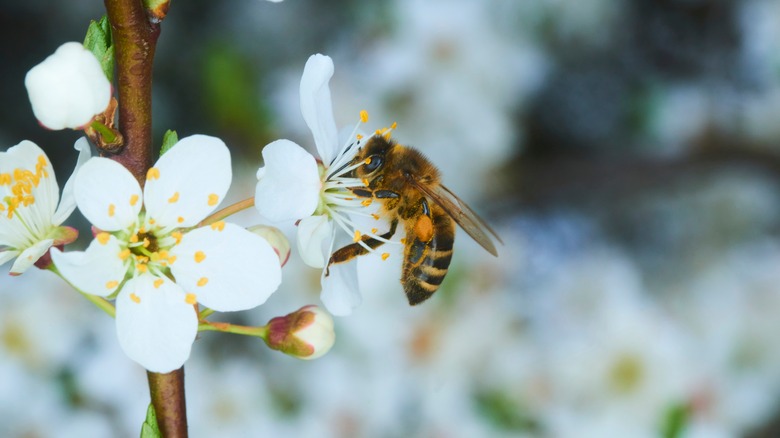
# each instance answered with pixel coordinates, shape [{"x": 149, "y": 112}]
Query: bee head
[{"x": 373, "y": 155}]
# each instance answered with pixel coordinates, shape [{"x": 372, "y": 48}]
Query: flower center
[
  {"x": 149, "y": 249},
  {"x": 20, "y": 184}
]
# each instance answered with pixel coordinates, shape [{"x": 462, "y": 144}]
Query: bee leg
[{"x": 353, "y": 250}]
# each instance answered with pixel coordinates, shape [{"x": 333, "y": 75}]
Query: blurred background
[{"x": 626, "y": 152}]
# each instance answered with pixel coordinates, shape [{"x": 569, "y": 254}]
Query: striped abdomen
[{"x": 427, "y": 253}]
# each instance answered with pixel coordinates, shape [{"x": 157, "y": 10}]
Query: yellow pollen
[
  {"x": 162, "y": 254},
  {"x": 141, "y": 259},
  {"x": 5, "y": 179},
  {"x": 142, "y": 230},
  {"x": 190, "y": 299},
  {"x": 173, "y": 198},
  {"x": 387, "y": 135},
  {"x": 359, "y": 137},
  {"x": 177, "y": 235},
  {"x": 367, "y": 160},
  {"x": 403, "y": 240},
  {"x": 199, "y": 256},
  {"x": 213, "y": 199},
  {"x": 111, "y": 210},
  {"x": 124, "y": 254},
  {"x": 366, "y": 202},
  {"x": 133, "y": 200},
  {"x": 364, "y": 116},
  {"x": 146, "y": 242},
  {"x": 203, "y": 281},
  {"x": 171, "y": 259},
  {"x": 152, "y": 174},
  {"x": 134, "y": 238},
  {"x": 394, "y": 125},
  {"x": 365, "y": 181},
  {"x": 136, "y": 299},
  {"x": 385, "y": 255},
  {"x": 357, "y": 236},
  {"x": 142, "y": 268},
  {"x": 112, "y": 284},
  {"x": 152, "y": 221},
  {"x": 180, "y": 219},
  {"x": 218, "y": 226},
  {"x": 103, "y": 238},
  {"x": 379, "y": 132},
  {"x": 374, "y": 230},
  {"x": 375, "y": 216},
  {"x": 28, "y": 200},
  {"x": 159, "y": 282}
]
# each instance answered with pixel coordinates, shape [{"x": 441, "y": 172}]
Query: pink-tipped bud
[
  {"x": 306, "y": 333},
  {"x": 276, "y": 239}
]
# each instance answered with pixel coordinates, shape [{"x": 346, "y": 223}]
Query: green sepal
[
  {"x": 675, "y": 420},
  {"x": 169, "y": 139},
  {"x": 98, "y": 41},
  {"x": 150, "y": 429}
]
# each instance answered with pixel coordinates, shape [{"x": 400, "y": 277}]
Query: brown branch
[
  {"x": 167, "y": 391},
  {"x": 135, "y": 40}
]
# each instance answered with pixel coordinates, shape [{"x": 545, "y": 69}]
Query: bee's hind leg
[{"x": 353, "y": 250}]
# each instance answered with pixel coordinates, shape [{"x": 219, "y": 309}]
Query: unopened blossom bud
[
  {"x": 68, "y": 88},
  {"x": 276, "y": 239},
  {"x": 306, "y": 333}
]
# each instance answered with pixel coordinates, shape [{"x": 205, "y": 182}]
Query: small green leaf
[
  {"x": 169, "y": 139},
  {"x": 675, "y": 421},
  {"x": 150, "y": 429},
  {"x": 98, "y": 41}
]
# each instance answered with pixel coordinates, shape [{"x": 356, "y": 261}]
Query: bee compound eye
[{"x": 373, "y": 162}]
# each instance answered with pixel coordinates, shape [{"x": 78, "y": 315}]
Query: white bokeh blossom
[
  {"x": 31, "y": 210},
  {"x": 68, "y": 88},
  {"x": 295, "y": 185},
  {"x": 148, "y": 248}
]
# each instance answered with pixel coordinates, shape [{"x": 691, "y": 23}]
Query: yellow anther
[
  {"x": 5, "y": 179},
  {"x": 387, "y": 135},
  {"x": 375, "y": 216},
  {"x": 180, "y": 219},
  {"x": 141, "y": 259},
  {"x": 133, "y": 200},
  {"x": 366, "y": 202},
  {"x": 152, "y": 221},
  {"x": 28, "y": 200},
  {"x": 359, "y": 137},
  {"x": 159, "y": 282},
  {"x": 374, "y": 230},
  {"x": 103, "y": 238},
  {"x": 134, "y": 238},
  {"x": 146, "y": 243},
  {"x": 394, "y": 125},
  {"x": 365, "y": 181},
  {"x": 403, "y": 240},
  {"x": 190, "y": 299},
  {"x": 171, "y": 259},
  {"x": 364, "y": 116},
  {"x": 142, "y": 230},
  {"x": 162, "y": 254},
  {"x": 218, "y": 226},
  {"x": 203, "y": 281},
  {"x": 136, "y": 299},
  {"x": 124, "y": 254},
  {"x": 173, "y": 198},
  {"x": 111, "y": 210},
  {"x": 357, "y": 236},
  {"x": 152, "y": 174},
  {"x": 177, "y": 235},
  {"x": 385, "y": 255},
  {"x": 213, "y": 199},
  {"x": 367, "y": 161},
  {"x": 199, "y": 256},
  {"x": 112, "y": 284},
  {"x": 142, "y": 268}
]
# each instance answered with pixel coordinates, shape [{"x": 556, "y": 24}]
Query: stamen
[
  {"x": 218, "y": 226},
  {"x": 385, "y": 255},
  {"x": 366, "y": 202},
  {"x": 203, "y": 281},
  {"x": 177, "y": 235},
  {"x": 136, "y": 299},
  {"x": 199, "y": 256},
  {"x": 142, "y": 268},
  {"x": 103, "y": 238},
  {"x": 173, "y": 198},
  {"x": 190, "y": 299},
  {"x": 133, "y": 200},
  {"x": 213, "y": 199},
  {"x": 364, "y": 116},
  {"x": 112, "y": 284},
  {"x": 357, "y": 236},
  {"x": 124, "y": 254},
  {"x": 111, "y": 210},
  {"x": 159, "y": 282},
  {"x": 152, "y": 174},
  {"x": 180, "y": 220}
]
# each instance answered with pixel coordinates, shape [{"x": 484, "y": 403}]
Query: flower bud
[
  {"x": 68, "y": 88},
  {"x": 276, "y": 239},
  {"x": 306, "y": 333}
]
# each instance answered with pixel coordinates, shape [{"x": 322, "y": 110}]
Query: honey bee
[{"x": 409, "y": 188}]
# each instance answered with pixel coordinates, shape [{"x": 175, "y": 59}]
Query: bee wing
[{"x": 470, "y": 221}]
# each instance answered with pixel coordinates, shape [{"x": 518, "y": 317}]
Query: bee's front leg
[{"x": 353, "y": 250}]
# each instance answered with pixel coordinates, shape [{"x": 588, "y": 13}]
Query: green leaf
[
  {"x": 675, "y": 420},
  {"x": 150, "y": 429},
  {"x": 98, "y": 41},
  {"x": 169, "y": 139}
]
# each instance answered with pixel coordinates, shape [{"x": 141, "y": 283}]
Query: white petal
[
  {"x": 194, "y": 176},
  {"x": 67, "y": 199},
  {"x": 340, "y": 292},
  {"x": 97, "y": 271},
  {"x": 155, "y": 325},
  {"x": 107, "y": 194},
  {"x": 68, "y": 88},
  {"x": 227, "y": 270},
  {"x": 315, "y": 233},
  {"x": 289, "y": 187},
  {"x": 316, "y": 105},
  {"x": 25, "y": 156},
  {"x": 6, "y": 256},
  {"x": 29, "y": 256}
]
